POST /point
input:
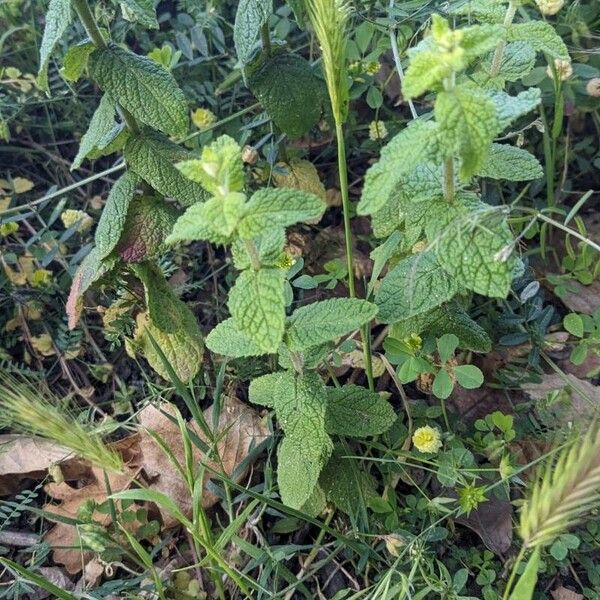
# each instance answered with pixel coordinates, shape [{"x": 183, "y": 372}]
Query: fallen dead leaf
[
  {"x": 54, "y": 575},
  {"x": 583, "y": 298},
  {"x": 239, "y": 428},
  {"x": 563, "y": 593}
]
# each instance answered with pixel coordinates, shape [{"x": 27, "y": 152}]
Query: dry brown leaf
[
  {"x": 583, "y": 298},
  {"x": 240, "y": 427},
  {"x": 23, "y": 456},
  {"x": 54, "y": 575},
  {"x": 563, "y": 593}
]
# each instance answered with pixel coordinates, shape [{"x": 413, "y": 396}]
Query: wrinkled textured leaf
[
  {"x": 355, "y": 411},
  {"x": 510, "y": 163},
  {"x": 268, "y": 247},
  {"x": 541, "y": 35},
  {"x": 76, "y": 59},
  {"x": 101, "y": 124},
  {"x": 289, "y": 92},
  {"x": 226, "y": 339},
  {"x": 58, "y": 18},
  {"x": 278, "y": 207},
  {"x": 114, "y": 214},
  {"x": 140, "y": 11},
  {"x": 510, "y": 108},
  {"x": 416, "y": 285},
  {"x": 251, "y": 15},
  {"x": 257, "y": 305},
  {"x": 141, "y": 86},
  {"x": 301, "y": 175},
  {"x": 320, "y": 322},
  {"x": 152, "y": 156},
  {"x": 518, "y": 59},
  {"x": 193, "y": 225}
]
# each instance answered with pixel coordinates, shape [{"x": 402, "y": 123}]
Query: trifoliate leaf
[
  {"x": 518, "y": 59},
  {"x": 142, "y": 87},
  {"x": 301, "y": 175},
  {"x": 268, "y": 249},
  {"x": 320, "y": 322},
  {"x": 510, "y": 163},
  {"x": 226, "y": 339},
  {"x": 278, "y": 207},
  {"x": 58, "y": 18},
  {"x": 541, "y": 35},
  {"x": 112, "y": 221},
  {"x": 149, "y": 221},
  {"x": 152, "y": 156},
  {"x": 471, "y": 247},
  {"x": 402, "y": 154},
  {"x": 101, "y": 124},
  {"x": 510, "y": 108},
  {"x": 467, "y": 122},
  {"x": 183, "y": 348},
  {"x": 257, "y": 305},
  {"x": 448, "y": 318},
  {"x": 140, "y": 11},
  {"x": 219, "y": 170},
  {"x": 355, "y": 411},
  {"x": 417, "y": 284},
  {"x": 251, "y": 15},
  {"x": 75, "y": 60},
  {"x": 290, "y": 93}
]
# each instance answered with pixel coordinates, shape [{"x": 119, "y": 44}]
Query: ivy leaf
[
  {"x": 290, "y": 93},
  {"x": 402, "y": 154},
  {"x": 101, "y": 124},
  {"x": 468, "y": 123},
  {"x": 320, "y": 322},
  {"x": 141, "y": 86},
  {"x": 354, "y": 411},
  {"x": 228, "y": 340},
  {"x": 518, "y": 59},
  {"x": 58, "y": 18},
  {"x": 149, "y": 221},
  {"x": 112, "y": 221},
  {"x": 541, "y": 36},
  {"x": 152, "y": 156},
  {"x": 417, "y": 284},
  {"x": 257, "y": 305},
  {"x": 510, "y": 108},
  {"x": 140, "y": 11},
  {"x": 76, "y": 60},
  {"x": 471, "y": 248},
  {"x": 510, "y": 163},
  {"x": 468, "y": 376},
  {"x": 251, "y": 15},
  {"x": 278, "y": 207}
]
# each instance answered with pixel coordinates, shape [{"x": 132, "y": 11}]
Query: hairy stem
[
  {"x": 499, "y": 52},
  {"x": 265, "y": 38},
  {"x": 253, "y": 253},
  {"x": 449, "y": 179}
]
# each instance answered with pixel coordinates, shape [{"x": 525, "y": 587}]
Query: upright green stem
[
  {"x": 265, "y": 38},
  {"x": 86, "y": 16},
  {"x": 513, "y": 573},
  {"x": 499, "y": 52},
  {"x": 449, "y": 179}
]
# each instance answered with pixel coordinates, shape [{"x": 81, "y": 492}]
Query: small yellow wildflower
[
  {"x": 285, "y": 261},
  {"x": 202, "y": 117},
  {"x": 593, "y": 87},
  {"x": 563, "y": 69},
  {"x": 414, "y": 342},
  {"x": 377, "y": 130},
  {"x": 7, "y": 228},
  {"x": 549, "y": 7},
  {"x": 41, "y": 278},
  {"x": 373, "y": 67},
  {"x": 71, "y": 216},
  {"x": 427, "y": 439}
]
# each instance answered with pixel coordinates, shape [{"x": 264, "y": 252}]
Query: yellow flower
[
  {"x": 373, "y": 67},
  {"x": 563, "y": 69},
  {"x": 377, "y": 130},
  {"x": 549, "y": 7},
  {"x": 202, "y": 117},
  {"x": 7, "y": 228},
  {"x": 41, "y": 278},
  {"x": 427, "y": 439},
  {"x": 71, "y": 216}
]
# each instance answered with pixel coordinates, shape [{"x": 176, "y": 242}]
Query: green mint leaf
[
  {"x": 221, "y": 214},
  {"x": 268, "y": 247},
  {"x": 58, "y": 18},
  {"x": 140, "y": 11},
  {"x": 542, "y": 37},
  {"x": 152, "y": 156},
  {"x": 426, "y": 70},
  {"x": 76, "y": 60},
  {"x": 510, "y": 108},
  {"x": 518, "y": 59},
  {"x": 510, "y": 163},
  {"x": 310, "y": 358},
  {"x": 278, "y": 207},
  {"x": 573, "y": 323},
  {"x": 468, "y": 376},
  {"x": 320, "y": 322},
  {"x": 101, "y": 124},
  {"x": 257, "y": 305},
  {"x": 471, "y": 247},
  {"x": 479, "y": 39},
  {"x": 149, "y": 221},
  {"x": 402, "y": 154},
  {"x": 192, "y": 225},
  {"x": 489, "y": 11},
  {"x": 382, "y": 254},
  {"x": 228, "y": 340},
  {"x": 219, "y": 170},
  {"x": 112, "y": 221},
  {"x": 467, "y": 122},
  {"x": 416, "y": 285},
  {"x": 112, "y": 142},
  {"x": 141, "y": 86},
  {"x": 357, "y": 412},
  {"x": 442, "y": 385},
  {"x": 265, "y": 390},
  {"x": 290, "y": 93},
  {"x": 251, "y": 15},
  {"x": 446, "y": 346}
]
